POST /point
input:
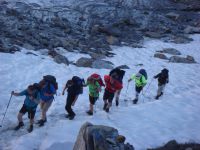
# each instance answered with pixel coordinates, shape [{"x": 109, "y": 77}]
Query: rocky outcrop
[
  {"x": 93, "y": 26},
  {"x": 98, "y": 137}
]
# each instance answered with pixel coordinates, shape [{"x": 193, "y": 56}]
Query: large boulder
[
  {"x": 178, "y": 59},
  {"x": 99, "y": 137},
  {"x": 94, "y": 63}
]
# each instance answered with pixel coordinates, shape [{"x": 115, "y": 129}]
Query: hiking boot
[
  {"x": 157, "y": 96},
  {"x": 41, "y": 123},
  {"x": 89, "y": 113},
  {"x": 67, "y": 116},
  {"x": 135, "y": 101},
  {"x": 41, "y": 120},
  {"x": 107, "y": 109},
  {"x": 21, "y": 124},
  {"x": 117, "y": 103},
  {"x": 30, "y": 129},
  {"x": 104, "y": 107},
  {"x": 71, "y": 117}
]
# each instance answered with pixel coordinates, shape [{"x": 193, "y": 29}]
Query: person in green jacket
[
  {"x": 140, "y": 82},
  {"x": 94, "y": 89}
]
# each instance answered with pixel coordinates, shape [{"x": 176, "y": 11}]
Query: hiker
[
  {"x": 118, "y": 75},
  {"x": 48, "y": 88},
  {"x": 94, "y": 89},
  {"x": 140, "y": 81},
  {"x": 74, "y": 88},
  {"x": 30, "y": 104},
  {"x": 113, "y": 88},
  {"x": 163, "y": 79}
]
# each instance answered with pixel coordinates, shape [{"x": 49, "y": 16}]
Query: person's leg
[
  {"x": 110, "y": 99},
  {"x": 31, "y": 115},
  {"x": 105, "y": 99},
  {"x": 19, "y": 117},
  {"x": 92, "y": 103},
  {"x": 45, "y": 108},
  {"x": 70, "y": 100},
  {"x": 137, "y": 92},
  {"x": 160, "y": 90}
]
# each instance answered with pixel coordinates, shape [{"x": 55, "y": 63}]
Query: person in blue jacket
[
  {"x": 46, "y": 98},
  {"x": 31, "y": 101}
]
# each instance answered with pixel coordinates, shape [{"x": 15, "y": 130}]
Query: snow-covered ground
[{"x": 148, "y": 124}]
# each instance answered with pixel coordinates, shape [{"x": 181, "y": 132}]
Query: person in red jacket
[{"x": 113, "y": 87}]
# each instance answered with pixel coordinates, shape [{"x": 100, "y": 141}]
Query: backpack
[
  {"x": 98, "y": 78},
  {"x": 51, "y": 80},
  {"x": 117, "y": 74},
  {"x": 144, "y": 73},
  {"x": 79, "y": 83}
]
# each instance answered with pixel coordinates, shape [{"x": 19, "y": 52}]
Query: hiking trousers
[
  {"x": 68, "y": 106},
  {"x": 160, "y": 89}
]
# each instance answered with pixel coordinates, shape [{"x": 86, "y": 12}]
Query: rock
[
  {"x": 28, "y": 46},
  {"x": 181, "y": 39},
  {"x": 99, "y": 137},
  {"x": 84, "y": 62},
  {"x": 61, "y": 59},
  {"x": 102, "y": 64},
  {"x": 178, "y": 59},
  {"x": 172, "y": 15},
  {"x": 97, "y": 56},
  {"x": 160, "y": 55},
  {"x": 112, "y": 40},
  {"x": 191, "y": 30},
  {"x": 188, "y": 148},
  {"x": 153, "y": 34},
  {"x": 172, "y": 145},
  {"x": 171, "y": 51},
  {"x": 30, "y": 53}
]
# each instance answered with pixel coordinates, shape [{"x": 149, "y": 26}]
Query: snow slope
[{"x": 146, "y": 125}]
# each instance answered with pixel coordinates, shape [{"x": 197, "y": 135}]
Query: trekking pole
[
  {"x": 143, "y": 93},
  {"x": 6, "y": 111}
]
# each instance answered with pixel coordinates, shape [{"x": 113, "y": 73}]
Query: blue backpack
[{"x": 144, "y": 73}]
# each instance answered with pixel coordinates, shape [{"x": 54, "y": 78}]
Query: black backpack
[
  {"x": 117, "y": 74},
  {"x": 77, "y": 81}
]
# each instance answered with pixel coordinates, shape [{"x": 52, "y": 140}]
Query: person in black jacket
[
  {"x": 73, "y": 93},
  {"x": 163, "y": 78}
]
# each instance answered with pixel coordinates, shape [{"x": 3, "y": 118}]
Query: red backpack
[{"x": 98, "y": 78}]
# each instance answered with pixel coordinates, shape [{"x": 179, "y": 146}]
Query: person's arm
[
  {"x": 19, "y": 94},
  {"x": 131, "y": 78},
  {"x": 66, "y": 86},
  {"x": 156, "y": 76}
]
